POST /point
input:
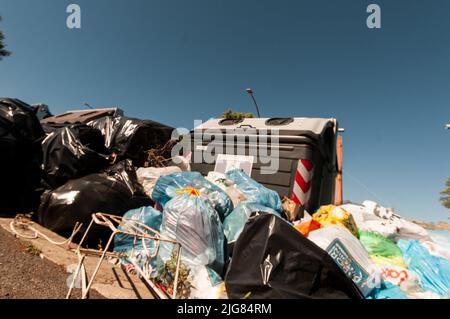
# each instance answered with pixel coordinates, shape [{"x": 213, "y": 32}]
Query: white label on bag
[{"x": 226, "y": 162}]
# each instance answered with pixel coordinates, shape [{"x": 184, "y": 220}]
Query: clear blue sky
[{"x": 176, "y": 61}]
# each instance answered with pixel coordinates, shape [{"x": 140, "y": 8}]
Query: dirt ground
[{"x": 25, "y": 275}]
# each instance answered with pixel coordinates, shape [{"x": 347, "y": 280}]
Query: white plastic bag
[
  {"x": 375, "y": 218},
  {"x": 148, "y": 176},
  {"x": 350, "y": 255},
  {"x": 206, "y": 284}
]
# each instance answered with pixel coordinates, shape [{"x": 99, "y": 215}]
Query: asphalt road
[{"x": 25, "y": 275}]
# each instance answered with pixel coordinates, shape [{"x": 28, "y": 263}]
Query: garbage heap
[{"x": 238, "y": 238}]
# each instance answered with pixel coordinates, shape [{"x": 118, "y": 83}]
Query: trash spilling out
[{"x": 191, "y": 230}]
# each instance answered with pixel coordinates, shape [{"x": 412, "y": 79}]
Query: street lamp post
[{"x": 250, "y": 92}]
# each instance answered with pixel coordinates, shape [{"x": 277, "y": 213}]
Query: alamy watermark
[
  {"x": 73, "y": 20},
  {"x": 203, "y": 145}
]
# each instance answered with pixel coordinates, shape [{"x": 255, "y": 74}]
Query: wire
[
  {"x": 378, "y": 198},
  {"x": 18, "y": 221}
]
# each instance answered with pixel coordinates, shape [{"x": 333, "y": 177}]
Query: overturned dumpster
[{"x": 296, "y": 157}]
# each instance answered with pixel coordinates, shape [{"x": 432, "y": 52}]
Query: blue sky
[{"x": 176, "y": 61}]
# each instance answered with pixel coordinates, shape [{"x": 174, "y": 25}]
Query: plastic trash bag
[
  {"x": 273, "y": 260},
  {"x": 227, "y": 186},
  {"x": 333, "y": 215},
  {"x": 139, "y": 250},
  {"x": 433, "y": 271},
  {"x": 387, "y": 291},
  {"x": 167, "y": 187},
  {"x": 131, "y": 138},
  {"x": 207, "y": 284},
  {"x": 235, "y": 222},
  {"x": 20, "y": 157},
  {"x": 436, "y": 249},
  {"x": 384, "y": 221},
  {"x": 349, "y": 254},
  {"x": 72, "y": 152},
  {"x": 114, "y": 191},
  {"x": 439, "y": 243},
  {"x": 148, "y": 176},
  {"x": 307, "y": 226},
  {"x": 193, "y": 222},
  {"x": 255, "y": 192},
  {"x": 378, "y": 245}
]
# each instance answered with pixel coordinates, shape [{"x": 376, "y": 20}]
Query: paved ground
[{"x": 23, "y": 274}]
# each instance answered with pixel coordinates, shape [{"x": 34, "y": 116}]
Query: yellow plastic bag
[
  {"x": 394, "y": 261},
  {"x": 335, "y": 215}
]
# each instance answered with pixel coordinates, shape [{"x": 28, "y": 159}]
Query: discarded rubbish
[
  {"x": 137, "y": 230},
  {"x": 349, "y": 254},
  {"x": 148, "y": 176},
  {"x": 180, "y": 229},
  {"x": 20, "y": 157},
  {"x": 190, "y": 219},
  {"x": 273, "y": 260},
  {"x": 255, "y": 192},
  {"x": 206, "y": 284},
  {"x": 235, "y": 222},
  {"x": 72, "y": 152},
  {"x": 115, "y": 191},
  {"x": 131, "y": 138},
  {"x": 290, "y": 209},
  {"x": 142, "y": 250},
  {"x": 378, "y": 245},
  {"x": 167, "y": 187},
  {"x": 433, "y": 271},
  {"x": 308, "y": 226},
  {"x": 335, "y": 215},
  {"x": 228, "y": 186},
  {"x": 387, "y": 291},
  {"x": 384, "y": 221}
]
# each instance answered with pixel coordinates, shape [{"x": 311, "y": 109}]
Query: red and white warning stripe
[{"x": 302, "y": 185}]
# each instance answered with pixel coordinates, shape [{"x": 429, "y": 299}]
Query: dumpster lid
[{"x": 313, "y": 127}]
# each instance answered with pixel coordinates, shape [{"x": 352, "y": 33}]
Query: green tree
[
  {"x": 3, "y": 51},
  {"x": 445, "y": 194},
  {"x": 230, "y": 114}
]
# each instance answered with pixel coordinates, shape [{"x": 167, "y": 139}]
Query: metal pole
[
  {"x": 250, "y": 91},
  {"x": 339, "y": 196}
]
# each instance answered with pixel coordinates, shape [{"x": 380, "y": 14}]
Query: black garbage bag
[
  {"x": 42, "y": 111},
  {"x": 273, "y": 260},
  {"x": 131, "y": 138},
  {"x": 72, "y": 152},
  {"x": 21, "y": 135},
  {"x": 114, "y": 191}
]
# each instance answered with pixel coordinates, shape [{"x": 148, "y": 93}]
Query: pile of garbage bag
[
  {"x": 114, "y": 191},
  {"x": 71, "y": 152},
  {"x": 223, "y": 235},
  {"x": 131, "y": 138},
  {"x": 20, "y": 158}
]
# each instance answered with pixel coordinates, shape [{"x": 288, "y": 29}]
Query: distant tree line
[
  {"x": 3, "y": 51},
  {"x": 445, "y": 195}
]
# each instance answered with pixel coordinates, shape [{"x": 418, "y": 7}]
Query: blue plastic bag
[
  {"x": 235, "y": 222},
  {"x": 433, "y": 271},
  {"x": 139, "y": 250},
  {"x": 387, "y": 291},
  {"x": 167, "y": 186},
  {"x": 255, "y": 192},
  {"x": 195, "y": 224}
]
